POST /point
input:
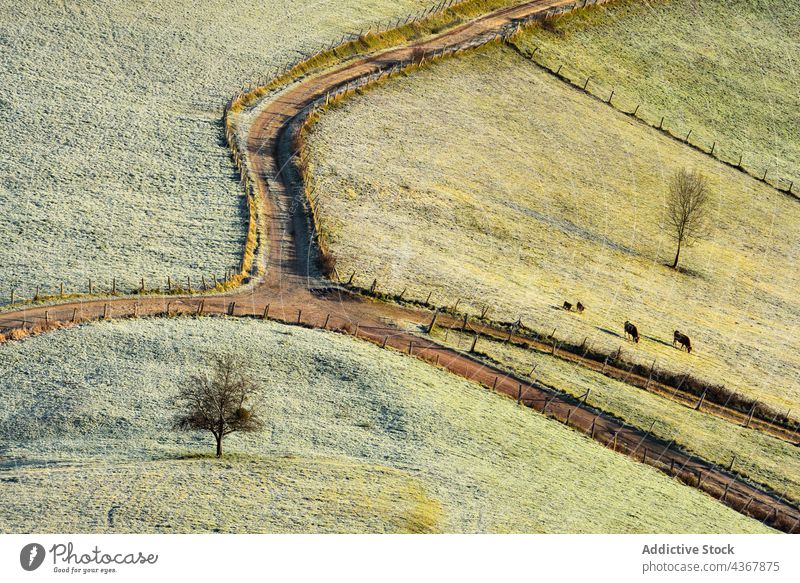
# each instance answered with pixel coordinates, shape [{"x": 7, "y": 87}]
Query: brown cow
[
  {"x": 567, "y": 306},
  {"x": 630, "y": 330},
  {"x": 683, "y": 340},
  {"x": 580, "y": 308}
]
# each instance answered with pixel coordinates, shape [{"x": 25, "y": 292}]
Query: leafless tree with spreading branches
[
  {"x": 224, "y": 402},
  {"x": 687, "y": 210}
]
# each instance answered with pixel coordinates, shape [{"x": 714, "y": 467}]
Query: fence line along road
[{"x": 294, "y": 291}]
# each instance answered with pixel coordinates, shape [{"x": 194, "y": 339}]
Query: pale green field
[
  {"x": 726, "y": 69},
  {"x": 113, "y": 162},
  {"x": 760, "y": 458},
  {"x": 357, "y": 440},
  {"x": 483, "y": 178}
]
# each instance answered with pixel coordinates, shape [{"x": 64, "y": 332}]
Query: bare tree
[
  {"x": 224, "y": 402},
  {"x": 686, "y": 219}
]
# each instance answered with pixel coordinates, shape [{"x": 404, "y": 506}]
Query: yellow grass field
[
  {"x": 725, "y": 69},
  {"x": 485, "y": 179},
  {"x": 758, "y": 457},
  {"x": 357, "y": 439}
]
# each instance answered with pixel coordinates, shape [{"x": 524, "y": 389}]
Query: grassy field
[
  {"x": 726, "y": 69},
  {"x": 512, "y": 190},
  {"x": 110, "y": 120},
  {"x": 760, "y": 458},
  {"x": 357, "y": 440}
]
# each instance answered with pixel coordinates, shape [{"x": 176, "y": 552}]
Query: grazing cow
[
  {"x": 567, "y": 306},
  {"x": 683, "y": 340},
  {"x": 630, "y": 330},
  {"x": 580, "y": 308}
]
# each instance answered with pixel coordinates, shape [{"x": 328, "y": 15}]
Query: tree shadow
[{"x": 685, "y": 271}]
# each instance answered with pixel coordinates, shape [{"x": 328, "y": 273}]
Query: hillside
[
  {"x": 725, "y": 69},
  {"x": 115, "y": 163},
  {"x": 512, "y": 190},
  {"x": 357, "y": 440}
]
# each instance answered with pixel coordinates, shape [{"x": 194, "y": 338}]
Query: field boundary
[
  {"x": 778, "y": 184},
  {"x": 682, "y": 388},
  {"x": 754, "y": 500},
  {"x": 293, "y": 293}
]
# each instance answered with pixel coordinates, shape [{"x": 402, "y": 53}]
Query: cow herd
[{"x": 632, "y": 332}]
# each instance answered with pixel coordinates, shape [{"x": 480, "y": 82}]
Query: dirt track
[{"x": 293, "y": 290}]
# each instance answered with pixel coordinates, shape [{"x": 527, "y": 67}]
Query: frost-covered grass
[
  {"x": 760, "y": 458},
  {"x": 726, "y": 69},
  {"x": 484, "y": 178},
  {"x": 113, "y": 162},
  {"x": 357, "y": 439}
]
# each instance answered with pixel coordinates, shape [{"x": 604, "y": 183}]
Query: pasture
[
  {"x": 485, "y": 180},
  {"x": 114, "y": 164},
  {"x": 727, "y": 70},
  {"x": 755, "y": 456},
  {"x": 357, "y": 440}
]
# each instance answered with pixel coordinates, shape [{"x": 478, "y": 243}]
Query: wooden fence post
[
  {"x": 62, "y": 290},
  {"x": 299, "y": 314},
  {"x": 750, "y": 415},
  {"x": 700, "y": 402},
  {"x": 90, "y": 286},
  {"x": 433, "y": 321},
  {"x": 265, "y": 315},
  {"x": 474, "y": 342},
  {"x": 327, "y": 319}
]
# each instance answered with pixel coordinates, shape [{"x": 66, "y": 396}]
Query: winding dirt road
[{"x": 294, "y": 291}]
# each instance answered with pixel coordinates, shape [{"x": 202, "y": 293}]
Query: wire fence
[
  {"x": 710, "y": 146},
  {"x": 724, "y": 484}
]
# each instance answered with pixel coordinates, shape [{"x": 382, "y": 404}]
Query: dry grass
[
  {"x": 118, "y": 169},
  {"x": 725, "y": 69},
  {"x": 512, "y": 190},
  {"x": 759, "y": 458},
  {"x": 359, "y": 439}
]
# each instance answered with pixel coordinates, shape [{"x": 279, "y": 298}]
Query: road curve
[{"x": 293, "y": 290}]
